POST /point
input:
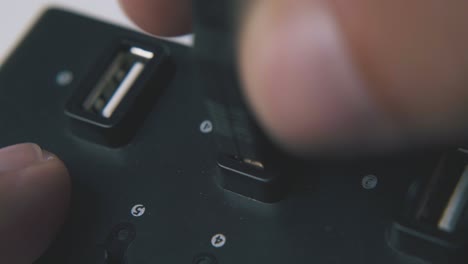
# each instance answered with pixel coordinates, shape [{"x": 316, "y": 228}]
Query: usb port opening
[
  {"x": 445, "y": 195},
  {"x": 117, "y": 81},
  {"x": 455, "y": 208},
  {"x": 119, "y": 91}
]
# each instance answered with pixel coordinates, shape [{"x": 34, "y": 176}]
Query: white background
[{"x": 16, "y": 16}]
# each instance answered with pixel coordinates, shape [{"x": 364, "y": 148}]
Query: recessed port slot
[
  {"x": 250, "y": 178},
  {"x": 114, "y": 98},
  {"x": 433, "y": 224},
  {"x": 445, "y": 195},
  {"x": 117, "y": 81},
  {"x": 455, "y": 207}
]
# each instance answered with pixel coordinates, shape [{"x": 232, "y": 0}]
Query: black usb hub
[{"x": 168, "y": 166}]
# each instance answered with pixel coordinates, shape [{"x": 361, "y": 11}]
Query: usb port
[
  {"x": 117, "y": 81},
  {"x": 443, "y": 199},
  {"x": 456, "y": 205},
  {"x": 433, "y": 224},
  {"x": 112, "y": 101}
]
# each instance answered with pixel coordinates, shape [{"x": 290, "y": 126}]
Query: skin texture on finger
[
  {"x": 160, "y": 17},
  {"x": 346, "y": 75},
  {"x": 33, "y": 204},
  {"x": 413, "y": 53}
]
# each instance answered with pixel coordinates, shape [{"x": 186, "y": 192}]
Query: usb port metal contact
[
  {"x": 117, "y": 81},
  {"x": 118, "y": 92}
]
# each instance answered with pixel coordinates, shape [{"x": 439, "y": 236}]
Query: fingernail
[
  {"x": 21, "y": 156},
  {"x": 46, "y": 155}
]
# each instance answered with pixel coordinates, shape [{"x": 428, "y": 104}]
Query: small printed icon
[
  {"x": 138, "y": 210},
  {"x": 218, "y": 240},
  {"x": 206, "y": 127},
  {"x": 64, "y": 78},
  {"x": 369, "y": 182}
]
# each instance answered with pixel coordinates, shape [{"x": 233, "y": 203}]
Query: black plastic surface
[{"x": 329, "y": 215}]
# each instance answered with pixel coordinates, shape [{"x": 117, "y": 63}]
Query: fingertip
[
  {"x": 160, "y": 17},
  {"x": 301, "y": 83},
  {"x": 34, "y": 202}
]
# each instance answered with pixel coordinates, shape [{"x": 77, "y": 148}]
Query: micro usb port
[{"x": 117, "y": 81}]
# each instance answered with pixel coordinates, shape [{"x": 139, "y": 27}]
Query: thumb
[
  {"x": 34, "y": 196},
  {"x": 356, "y": 75}
]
